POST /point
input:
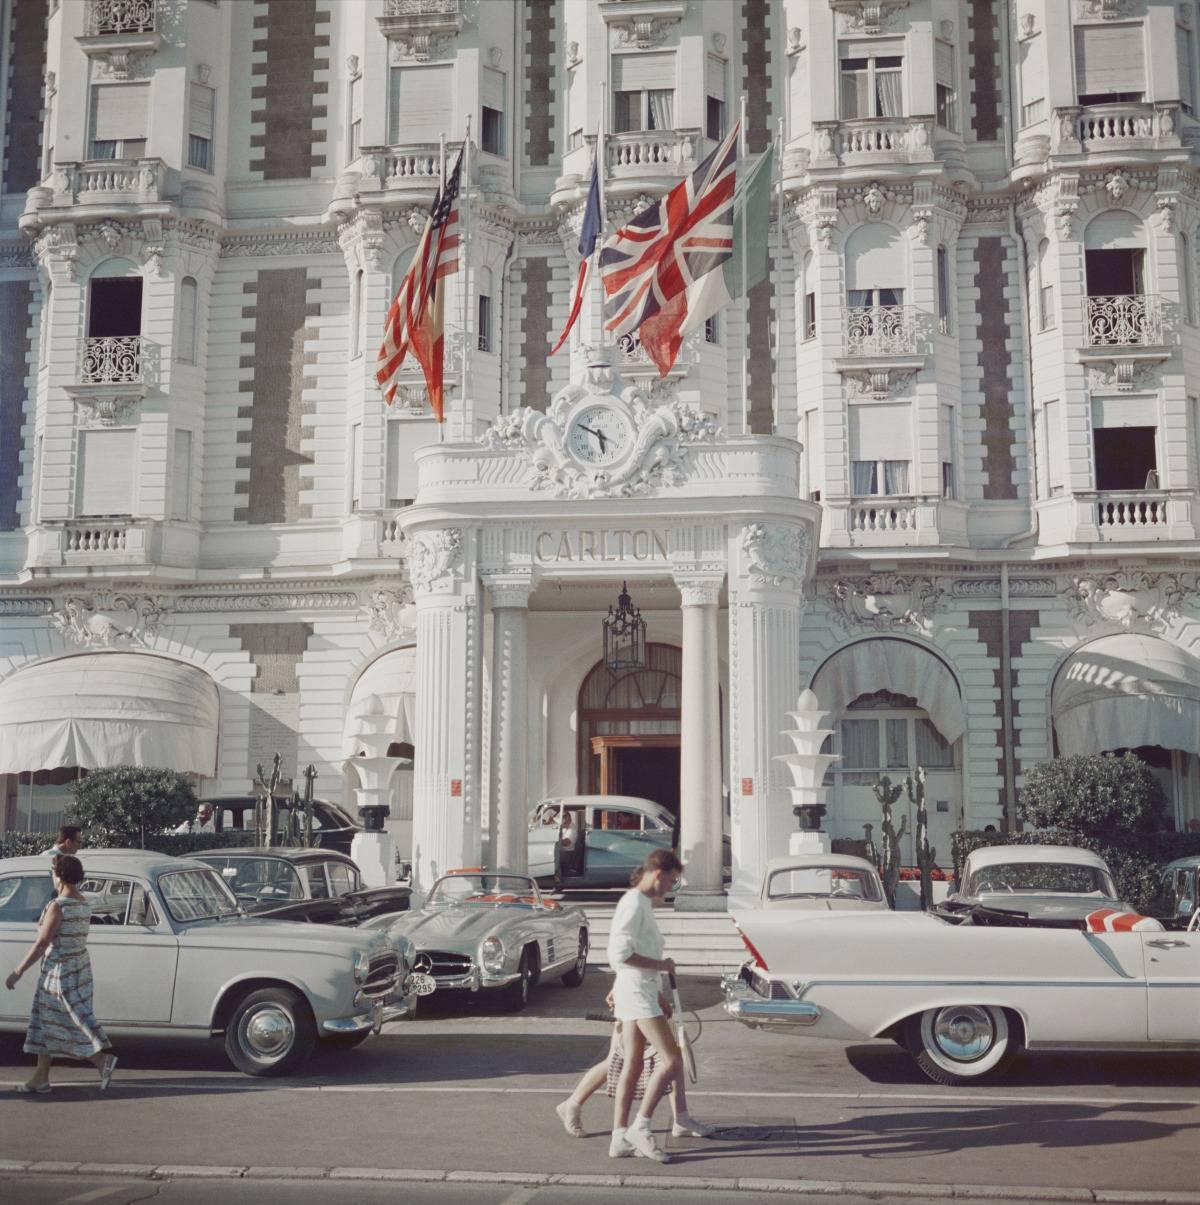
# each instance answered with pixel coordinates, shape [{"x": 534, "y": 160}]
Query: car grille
[
  {"x": 441, "y": 962},
  {"x": 381, "y": 976}
]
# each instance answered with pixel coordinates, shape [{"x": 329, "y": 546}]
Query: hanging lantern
[{"x": 624, "y": 634}]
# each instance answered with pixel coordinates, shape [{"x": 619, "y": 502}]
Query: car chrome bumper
[
  {"x": 395, "y": 1010},
  {"x": 473, "y": 980},
  {"x": 743, "y": 1004}
]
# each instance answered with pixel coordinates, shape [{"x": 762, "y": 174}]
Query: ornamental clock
[{"x": 599, "y": 435}]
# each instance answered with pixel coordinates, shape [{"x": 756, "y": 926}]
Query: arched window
[
  {"x": 1115, "y": 254},
  {"x": 114, "y": 300},
  {"x": 187, "y": 321}
]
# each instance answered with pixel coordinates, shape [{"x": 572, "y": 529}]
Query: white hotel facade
[{"x": 943, "y": 467}]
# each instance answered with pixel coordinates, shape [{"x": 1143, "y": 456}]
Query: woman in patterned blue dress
[{"x": 63, "y": 1022}]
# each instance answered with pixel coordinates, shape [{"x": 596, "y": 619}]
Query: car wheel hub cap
[
  {"x": 964, "y": 1033},
  {"x": 269, "y": 1032}
]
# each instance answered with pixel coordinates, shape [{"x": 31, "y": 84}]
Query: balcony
[
  {"x": 1115, "y": 130},
  {"x": 870, "y": 142},
  {"x": 885, "y": 345},
  {"x": 114, "y": 375},
  {"x": 420, "y": 28},
  {"x": 117, "y": 31},
  {"x": 410, "y": 172},
  {"x": 1131, "y": 514},
  {"x": 108, "y": 187},
  {"x": 1120, "y": 517},
  {"x": 112, "y": 360},
  {"x": 1129, "y": 320}
]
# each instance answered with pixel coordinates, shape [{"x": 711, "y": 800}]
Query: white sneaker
[
  {"x": 569, "y": 1114},
  {"x": 618, "y": 1146},
  {"x": 689, "y": 1127},
  {"x": 642, "y": 1140}
]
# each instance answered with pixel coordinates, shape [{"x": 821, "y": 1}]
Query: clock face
[{"x": 599, "y": 435}]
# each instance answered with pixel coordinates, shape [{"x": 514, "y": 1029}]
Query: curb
[{"x": 823, "y": 1188}]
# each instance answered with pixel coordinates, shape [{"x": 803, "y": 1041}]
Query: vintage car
[
  {"x": 1041, "y": 880},
  {"x": 333, "y": 827},
  {"x": 1178, "y": 892},
  {"x": 182, "y": 960},
  {"x": 495, "y": 931},
  {"x": 822, "y": 883},
  {"x": 319, "y": 885},
  {"x": 963, "y": 999}
]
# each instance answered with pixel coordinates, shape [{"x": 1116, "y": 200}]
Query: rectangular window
[
  {"x": 484, "y": 327},
  {"x": 712, "y": 329},
  {"x": 810, "y": 316},
  {"x": 187, "y": 321},
  {"x": 643, "y": 92},
  {"x": 1032, "y": 76},
  {"x": 948, "y": 449},
  {"x": 1193, "y": 414},
  {"x": 947, "y": 86},
  {"x": 420, "y": 103},
  {"x": 119, "y": 121},
  {"x": 714, "y": 119},
  {"x": 201, "y": 102},
  {"x": 404, "y": 439},
  {"x": 1186, "y": 283},
  {"x": 714, "y": 78},
  {"x": 575, "y": 140},
  {"x": 354, "y": 141},
  {"x": 871, "y": 81},
  {"x": 880, "y": 448},
  {"x": 1185, "y": 52},
  {"x": 943, "y": 291},
  {"x": 181, "y": 477},
  {"x": 491, "y": 123},
  {"x": 105, "y": 473},
  {"x": 1046, "y": 307},
  {"x": 1109, "y": 64},
  {"x": 355, "y": 474}
]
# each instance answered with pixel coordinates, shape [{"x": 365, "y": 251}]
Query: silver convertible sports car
[{"x": 495, "y": 931}]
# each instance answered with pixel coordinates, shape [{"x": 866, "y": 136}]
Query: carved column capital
[
  {"x": 509, "y": 589},
  {"x": 699, "y": 589}
]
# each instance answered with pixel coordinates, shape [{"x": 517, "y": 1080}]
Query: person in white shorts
[{"x": 635, "y": 952}]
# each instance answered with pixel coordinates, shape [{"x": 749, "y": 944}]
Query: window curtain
[
  {"x": 888, "y": 102},
  {"x": 933, "y": 751},
  {"x": 861, "y": 298},
  {"x": 860, "y": 744},
  {"x": 662, "y": 109},
  {"x": 897, "y": 744},
  {"x": 895, "y": 477},
  {"x": 862, "y": 474},
  {"x": 854, "y": 93}
]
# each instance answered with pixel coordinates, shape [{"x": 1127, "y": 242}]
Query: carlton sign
[{"x": 585, "y": 547}]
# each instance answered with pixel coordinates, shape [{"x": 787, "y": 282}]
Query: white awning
[
  {"x": 393, "y": 678},
  {"x": 897, "y": 666},
  {"x": 109, "y": 709},
  {"x": 1123, "y": 691}
]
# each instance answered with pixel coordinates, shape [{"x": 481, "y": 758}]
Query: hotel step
[{"x": 697, "y": 941}]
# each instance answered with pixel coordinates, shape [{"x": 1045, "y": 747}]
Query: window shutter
[
  {"x": 187, "y": 321},
  {"x": 944, "y": 58},
  {"x": 491, "y": 89},
  {"x": 1183, "y": 53},
  {"x": 881, "y": 432},
  {"x": 181, "y": 477},
  {"x": 105, "y": 474},
  {"x": 641, "y": 72},
  {"x": 946, "y": 431},
  {"x": 421, "y": 104},
  {"x": 1108, "y": 58},
  {"x": 1122, "y": 412},
  {"x": 119, "y": 111},
  {"x": 404, "y": 439},
  {"x": 714, "y": 77},
  {"x": 200, "y": 111}
]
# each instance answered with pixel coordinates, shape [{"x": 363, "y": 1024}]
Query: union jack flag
[
  {"x": 415, "y": 319},
  {"x": 647, "y": 267}
]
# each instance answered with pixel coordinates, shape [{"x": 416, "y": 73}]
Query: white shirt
[{"x": 634, "y": 931}]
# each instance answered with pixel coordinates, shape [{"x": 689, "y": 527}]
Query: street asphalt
[{"x": 467, "y": 1092}]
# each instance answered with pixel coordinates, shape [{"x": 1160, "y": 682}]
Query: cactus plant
[
  {"x": 914, "y": 784},
  {"x": 889, "y": 854}
]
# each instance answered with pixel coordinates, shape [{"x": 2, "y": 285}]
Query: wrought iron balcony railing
[
  {"x": 112, "y": 360},
  {"x": 881, "y": 330},
  {"x": 1126, "y": 320},
  {"x": 114, "y": 18}
]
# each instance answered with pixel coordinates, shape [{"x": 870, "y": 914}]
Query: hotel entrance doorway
[{"x": 645, "y": 766}]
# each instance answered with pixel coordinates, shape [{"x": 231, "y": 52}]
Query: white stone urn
[
  {"x": 373, "y": 849},
  {"x": 807, "y": 765}
]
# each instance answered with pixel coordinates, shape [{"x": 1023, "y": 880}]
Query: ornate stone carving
[
  {"x": 1115, "y": 184},
  {"x": 104, "y": 410},
  {"x": 1105, "y": 9},
  {"x": 775, "y": 555},
  {"x": 391, "y": 613},
  {"x": 26, "y": 605},
  {"x": 658, "y": 455},
  {"x": 867, "y": 16},
  {"x": 1028, "y": 26},
  {"x": 1018, "y": 587},
  {"x": 573, "y": 56},
  {"x": 106, "y": 618},
  {"x": 257, "y": 600},
  {"x": 1123, "y": 374},
  {"x": 1165, "y": 217},
  {"x": 886, "y": 601},
  {"x": 1131, "y": 599},
  {"x": 795, "y": 40},
  {"x": 316, "y": 242},
  {"x": 434, "y": 556},
  {"x": 877, "y": 382},
  {"x": 641, "y": 30},
  {"x": 873, "y": 198},
  {"x": 698, "y": 589}
]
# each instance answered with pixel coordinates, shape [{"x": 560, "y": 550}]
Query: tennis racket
[{"x": 681, "y": 1036}]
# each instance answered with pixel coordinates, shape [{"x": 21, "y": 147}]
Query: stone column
[
  {"x": 508, "y": 822},
  {"x": 446, "y": 743},
  {"x": 764, "y": 682},
  {"x": 701, "y": 822}
]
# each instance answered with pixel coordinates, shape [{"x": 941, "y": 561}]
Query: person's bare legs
[
  {"x": 41, "y": 1076},
  {"x": 568, "y": 1110},
  {"x": 634, "y": 1049},
  {"x": 668, "y": 1063},
  {"x": 683, "y": 1124}
]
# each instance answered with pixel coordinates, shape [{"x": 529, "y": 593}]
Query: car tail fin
[{"x": 759, "y": 960}]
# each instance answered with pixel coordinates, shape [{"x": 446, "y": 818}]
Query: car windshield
[
  {"x": 261, "y": 878},
  {"x": 481, "y": 889},
  {"x": 823, "y": 882},
  {"x": 1063, "y": 878},
  {"x": 196, "y": 895}
]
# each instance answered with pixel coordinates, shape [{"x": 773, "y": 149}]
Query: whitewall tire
[{"x": 961, "y": 1044}]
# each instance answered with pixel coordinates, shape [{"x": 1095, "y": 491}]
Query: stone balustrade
[
  {"x": 141, "y": 180},
  {"x": 115, "y": 18},
  {"x": 652, "y": 152},
  {"x": 92, "y": 538},
  {"x": 1125, "y": 320},
  {"x": 883, "y": 515},
  {"x": 887, "y": 330},
  {"x": 872, "y": 140},
  {"x": 1099, "y": 129},
  {"x": 420, "y": 8},
  {"x": 112, "y": 360},
  {"x": 1130, "y": 513}
]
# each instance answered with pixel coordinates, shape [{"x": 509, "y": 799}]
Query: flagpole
[
  {"x": 777, "y": 392},
  {"x": 441, "y": 427},
  {"x": 743, "y": 143},
  {"x": 601, "y": 172},
  {"x": 465, "y": 260}
]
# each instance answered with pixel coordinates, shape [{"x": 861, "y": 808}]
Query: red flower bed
[{"x": 912, "y": 874}]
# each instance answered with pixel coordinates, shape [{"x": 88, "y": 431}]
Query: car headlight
[
  {"x": 491, "y": 954},
  {"x": 362, "y": 963}
]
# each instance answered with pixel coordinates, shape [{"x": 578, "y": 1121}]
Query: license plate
[{"x": 420, "y": 984}]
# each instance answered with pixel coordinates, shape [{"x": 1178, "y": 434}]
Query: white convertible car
[{"x": 963, "y": 998}]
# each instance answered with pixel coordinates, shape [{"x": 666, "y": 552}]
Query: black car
[
  {"x": 321, "y": 886},
  {"x": 333, "y": 827}
]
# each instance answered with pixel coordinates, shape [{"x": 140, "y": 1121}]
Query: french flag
[{"x": 588, "y": 234}]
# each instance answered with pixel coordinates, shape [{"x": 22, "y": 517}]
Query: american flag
[
  {"x": 414, "y": 320},
  {"x": 647, "y": 266}
]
